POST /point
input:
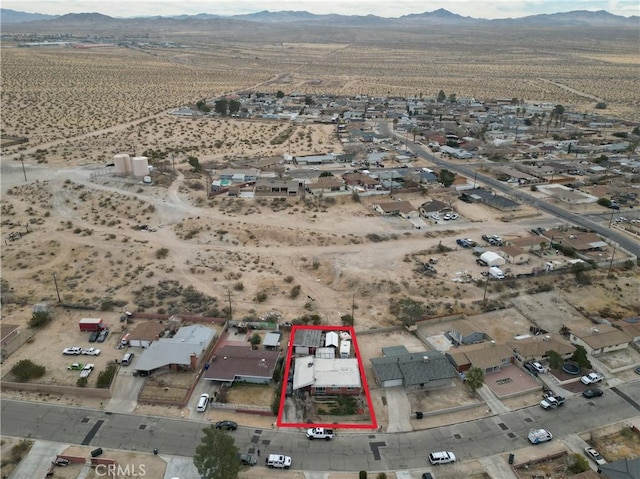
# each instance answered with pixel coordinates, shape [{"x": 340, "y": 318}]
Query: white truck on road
[
  {"x": 278, "y": 461},
  {"x": 320, "y": 433}
]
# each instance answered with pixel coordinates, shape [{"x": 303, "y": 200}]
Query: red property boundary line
[{"x": 363, "y": 379}]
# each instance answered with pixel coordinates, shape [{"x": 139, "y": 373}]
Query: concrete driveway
[
  {"x": 399, "y": 409},
  {"x": 126, "y": 391}
]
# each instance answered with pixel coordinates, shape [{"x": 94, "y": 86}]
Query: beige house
[
  {"x": 631, "y": 326},
  {"x": 514, "y": 254},
  {"x": 400, "y": 208},
  {"x": 535, "y": 348},
  {"x": 488, "y": 356},
  {"x": 601, "y": 339},
  {"x": 529, "y": 243}
]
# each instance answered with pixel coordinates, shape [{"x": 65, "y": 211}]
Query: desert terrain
[{"x": 81, "y": 244}]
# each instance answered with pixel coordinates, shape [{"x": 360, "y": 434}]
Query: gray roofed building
[
  {"x": 243, "y": 364},
  {"x": 185, "y": 350},
  {"x": 394, "y": 351},
  {"x": 621, "y": 469},
  {"x": 310, "y": 338},
  {"x": 427, "y": 370},
  {"x": 272, "y": 340},
  {"x": 484, "y": 196}
]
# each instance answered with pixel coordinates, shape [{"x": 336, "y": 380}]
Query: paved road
[
  {"x": 629, "y": 244},
  {"x": 349, "y": 451}
]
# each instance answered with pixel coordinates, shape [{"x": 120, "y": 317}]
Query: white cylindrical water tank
[
  {"x": 140, "y": 165},
  {"x": 122, "y": 164}
]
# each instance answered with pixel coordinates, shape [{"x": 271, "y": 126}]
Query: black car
[
  {"x": 94, "y": 336},
  {"x": 592, "y": 393},
  {"x": 228, "y": 425},
  {"x": 427, "y": 475},
  {"x": 61, "y": 461},
  {"x": 103, "y": 335}
]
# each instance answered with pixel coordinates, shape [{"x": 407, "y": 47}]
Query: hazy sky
[{"x": 383, "y": 8}]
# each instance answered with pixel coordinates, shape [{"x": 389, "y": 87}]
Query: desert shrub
[
  {"x": 26, "y": 369},
  {"x": 295, "y": 292},
  {"x": 261, "y": 297},
  {"x": 162, "y": 253},
  {"x": 82, "y": 382},
  {"x": 382, "y": 475},
  {"x": 239, "y": 286},
  {"x": 106, "y": 377},
  {"x": 347, "y": 320},
  {"x": 39, "y": 319},
  {"x": 288, "y": 279},
  {"x": 578, "y": 463}
]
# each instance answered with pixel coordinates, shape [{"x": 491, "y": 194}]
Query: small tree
[
  {"x": 279, "y": 94},
  {"x": 441, "y": 96},
  {"x": 579, "y": 356},
  {"x": 194, "y": 163},
  {"x": 26, "y": 369},
  {"x": 362, "y": 475},
  {"x": 221, "y": 106},
  {"x": 474, "y": 378},
  {"x": 555, "y": 360},
  {"x": 39, "y": 319},
  {"x": 447, "y": 177},
  {"x": 216, "y": 456},
  {"x": 255, "y": 340},
  {"x": 234, "y": 106}
]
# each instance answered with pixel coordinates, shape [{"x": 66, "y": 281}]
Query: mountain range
[{"x": 585, "y": 18}]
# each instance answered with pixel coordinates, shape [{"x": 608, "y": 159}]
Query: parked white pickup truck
[{"x": 320, "y": 433}]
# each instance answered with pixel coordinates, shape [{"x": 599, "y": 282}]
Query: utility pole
[
  {"x": 353, "y": 307},
  {"x": 611, "y": 262},
  {"x": 486, "y": 285},
  {"x": 24, "y": 172},
  {"x": 173, "y": 162},
  {"x": 55, "y": 281}
]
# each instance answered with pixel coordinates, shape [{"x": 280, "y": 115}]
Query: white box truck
[{"x": 496, "y": 272}]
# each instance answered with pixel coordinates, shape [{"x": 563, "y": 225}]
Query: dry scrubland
[
  {"x": 80, "y": 107},
  {"x": 61, "y": 93}
]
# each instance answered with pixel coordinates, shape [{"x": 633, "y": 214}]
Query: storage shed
[{"x": 492, "y": 259}]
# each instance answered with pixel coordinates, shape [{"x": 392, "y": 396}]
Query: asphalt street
[{"x": 349, "y": 451}]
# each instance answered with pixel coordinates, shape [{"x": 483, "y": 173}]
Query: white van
[
  {"x": 203, "y": 403},
  {"x": 126, "y": 360}
]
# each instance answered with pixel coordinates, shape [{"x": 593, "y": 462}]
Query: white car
[
  {"x": 454, "y": 216},
  {"x": 447, "y": 217},
  {"x": 75, "y": 350},
  {"x": 595, "y": 455},
  {"x": 442, "y": 457},
  {"x": 591, "y": 378},
  {"x": 91, "y": 351},
  {"x": 537, "y": 366},
  {"x": 86, "y": 370}
]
